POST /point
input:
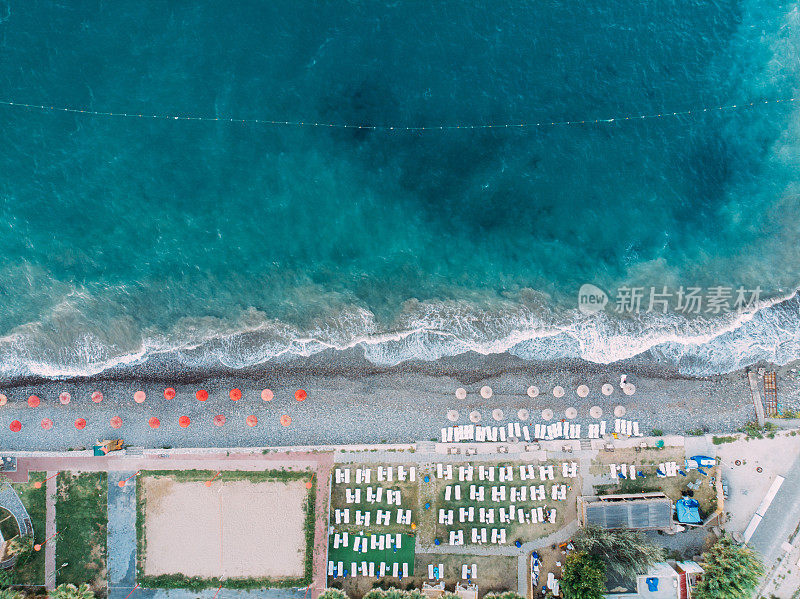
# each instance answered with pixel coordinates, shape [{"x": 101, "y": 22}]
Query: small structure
[
  {"x": 467, "y": 590},
  {"x": 434, "y": 591},
  {"x": 641, "y": 511},
  {"x": 688, "y": 511},
  {"x": 664, "y": 580},
  {"x": 8, "y": 464}
]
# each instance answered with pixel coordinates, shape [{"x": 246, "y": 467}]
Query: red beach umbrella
[
  {"x": 201, "y": 395},
  {"x": 286, "y": 420},
  {"x": 47, "y": 424},
  {"x": 184, "y": 421},
  {"x": 267, "y": 395},
  {"x": 139, "y": 397},
  {"x": 15, "y": 426},
  {"x": 33, "y": 401},
  {"x": 116, "y": 422},
  {"x": 64, "y": 398},
  {"x": 169, "y": 393},
  {"x": 154, "y": 422},
  {"x": 219, "y": 420},
  {"x": 80, "y": 423},
  {"x": 235, "y": 394},
  {"x": 97, "y": 397},
  {"x": 300, "y": 395},
  {"x": 251, "y": 420}
]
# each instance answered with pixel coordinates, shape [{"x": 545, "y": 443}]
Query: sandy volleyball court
[{"x": 235, "y": 529}]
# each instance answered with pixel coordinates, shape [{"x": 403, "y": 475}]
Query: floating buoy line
[{"x": 330, "y": 125}]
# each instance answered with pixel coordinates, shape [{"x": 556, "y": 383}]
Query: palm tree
[
  {"x": 70, "y": 591},
  {"x": 624, "y": 552},
  {"x": 9, "y": 594},
  {"x": 731, "y": 571},
  {"x": 17, "y": 544},
  {"x": 328, "y": 594}
]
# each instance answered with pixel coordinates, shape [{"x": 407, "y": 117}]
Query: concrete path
[
  {"x": 319, "y": 578},
  {"x": 121, "y": 531},
  {"x": 50, "y": 493}
]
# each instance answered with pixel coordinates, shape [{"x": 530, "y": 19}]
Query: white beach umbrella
[
  {"x": 619, "y": 411},
  {"x": 523, "y": 414},
  {"x": 547, "y": 414},
  {"x": 452, "y": 415},
  {"x": 607, "y": 389},
  {"x": 475, "y": 416},
  {"x": 497, "y": 414},
  {"x": 595, "y": 411},
  {"x": 629, "y": 389},
  {"x": 582, "y": 391},
  {"x": 571, "y": 413},
  {"x": 486, "y": 392},
  {"x": 461, "y": 393},
  {"x": 558, "y": 391},
  {"x": 3, "y": 400},
  {"x": 533, "y": 391}
]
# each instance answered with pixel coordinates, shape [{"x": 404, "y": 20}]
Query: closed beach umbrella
[
  {"x": 582, "y": 391},
  {"x": 219, "y": 420},
  {"x": 607, "y": 389},
  {"x": 533, "y": 391},
  {"x": 64, "y": 398},
  {"x": 461, "y": 393},
  {"x": 452, "y": 415},
  {"x": 235, "y": 394},
  {"x": 486, "y": 392},
  {"x": 116, "y": 422},
  {"x": 169, "y": 393},
  {"x": 15, "y": 426},
  {"x": 286, "y": 420},
  {"x": 184, "y": 421},
  {"x": 97, "y": 397},
  {"x": 629, "y": 389},
  {"x": 619, "y": 411},
  {"x": 474, "y": 416},
  {"x": 595, "y": 411},
  {"x": 201, "y": 395},
  {"x": 139, "y": 397},
  {"x": 154, "y": 422},
  {"x": 267, "y": 395},
  {"x": 571, "y": 413},
  {"x": 497, "y": 414},
  {"x": 523, "y": 414},
  {"x": 80, "y": 423},
  {"x": 3, "y": 400},
  {"x": 300, "y": 395},
  {"x": 251, "y": 420},
  {"x": 33, "y": 401},
  {"x": 558, "y": 391},
  {"x": 547, "y": 414},
  {"x": 47, "y": 424}
]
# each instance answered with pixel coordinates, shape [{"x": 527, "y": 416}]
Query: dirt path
[{"x": 50, "y": 531}]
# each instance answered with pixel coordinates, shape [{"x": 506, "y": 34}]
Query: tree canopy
[
  {"x": 70, "y": 591},
  {"x": 626, "y": 553},
  {"x": 583, "y": 576},
  {"x": 731, "y": 571}
]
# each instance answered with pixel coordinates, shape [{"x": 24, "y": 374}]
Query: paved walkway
[
  {"x": 50, "y": 491},
  {"x": 121, "y": 531}
]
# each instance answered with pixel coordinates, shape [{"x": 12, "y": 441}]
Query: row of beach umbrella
[
  {"x": 607, "y": 389},
  {"x": 524, "y": 414},
  {"x": 153, "y": 422},
  {"x": 169, "y": 394}
]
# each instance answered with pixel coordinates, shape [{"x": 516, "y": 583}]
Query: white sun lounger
[
  {"x": 430, "y": 571},
  {"x": 526, "y": 434},
  {"x": 396, "y": 569}
]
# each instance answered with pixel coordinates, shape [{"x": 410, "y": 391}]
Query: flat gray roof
[{"x": 629, "y": 513}]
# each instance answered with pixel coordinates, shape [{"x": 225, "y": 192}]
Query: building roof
[{"x": 644, "y": 511}]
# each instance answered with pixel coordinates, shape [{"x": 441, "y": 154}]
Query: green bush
[{"x": 657, "y": 432}]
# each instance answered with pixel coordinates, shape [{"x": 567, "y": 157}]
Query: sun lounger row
[
  {"x": 393, "y": 496},
  {"x": 569, "y": 469},
  {"x": 597, "y": 431},
  {"x": 498, "y": 493},
  {"x": 553, "y": 584},
  {"x": 480, "y": 536},
  {"x": 456, "y": 537},
  {"x": 504, "y": 515},
  {"x": 623, "y": 471},
  {"x": 396, "y": 569},
  {"x": 363, "y": 543},
  {"x": 667, "y": 469},
  {"x": 469, "y": 572},
  {"x": 435, "y": 573},
  {"x": 363, "y": 476},
  {"x": 627, "y": 427}
]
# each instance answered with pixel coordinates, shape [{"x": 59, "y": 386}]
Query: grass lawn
[
  {"x": 81, "y": 521},
  {"x": 30, "y": 571},
  {"x": 346, "y": 555},
  {"x": 179, "y": 581}
]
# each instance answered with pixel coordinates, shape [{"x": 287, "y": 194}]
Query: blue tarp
[
  {"x": 652, "y": 584},
  {"x": 688, "y": 512}
]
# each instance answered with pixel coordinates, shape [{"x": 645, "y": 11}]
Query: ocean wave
[{"x": 427, "y": 332}]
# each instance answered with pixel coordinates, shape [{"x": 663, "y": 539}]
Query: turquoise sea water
[{"x": 232, "y": 244}]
